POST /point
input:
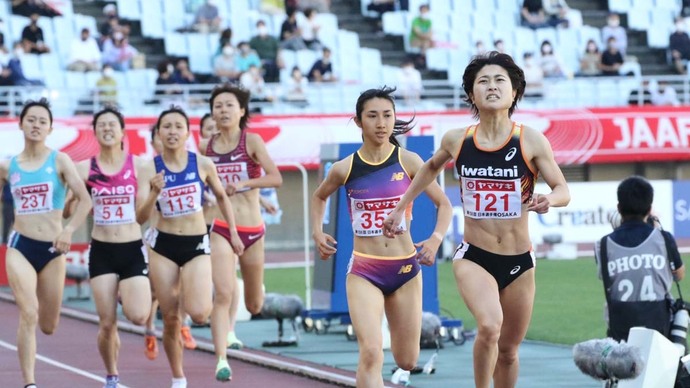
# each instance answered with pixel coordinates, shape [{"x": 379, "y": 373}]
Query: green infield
[{"x": 568, "y": 306}]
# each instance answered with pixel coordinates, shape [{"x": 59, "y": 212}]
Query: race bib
[
  {"x": 180, "y": 200},
  {"x": 114, "y": 210},
  {"x": 232, "y": 172},
  {"x": 34, "y": 198},
  {"x": 491, "y": 198},
  {"x": 368, "y": 215}
]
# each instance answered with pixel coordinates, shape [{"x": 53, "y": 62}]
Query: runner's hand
[
  {"x": 63, "y": 242},
  {"x": 236, "y": 243},
  {"x": 392, "y": 222},
  {"x": 540, "y": 204},
  {"x": 326, "y": 245},
  {"x": 158, "y": 182}
]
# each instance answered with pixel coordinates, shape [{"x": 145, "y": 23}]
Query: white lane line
[{"x": 60, "y": 365}]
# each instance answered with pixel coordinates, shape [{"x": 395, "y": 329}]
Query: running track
[{"x": 69, "y": 358}]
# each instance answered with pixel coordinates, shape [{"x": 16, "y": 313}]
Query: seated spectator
[
  {"x": 534, "y": 76},
  {"x": 5, "y": 80},
  {"x": 613, "y": 29},
  {"x": 634, "y": 97},
  {"x": 309, "y": 30},
  {"x": 322, "y": 69},
  {"x": 29, "y": 7},
  {"x": 290, "y": 34},
  {"x": 17, "y": 72},
  {"x": 296, "y": 87},
  {"x": 410, "y": 82},
  {"x": 679, "y": 45},
  {"x": 611, "y": 58},
  {"x": 421, "y": 33},
  {"x": 663, "y": 94},
  {"x": 550, "y": 63},
  {"x": 246, "y": 57},
  {"x": 84, "y": 54},
  {"x": 165, "y": 83},
  {"x": 253, "y": 81},
  {"x": 590, "y": 60},
  {"x": 32, "y": 37},
  {"x": 479, "y": 48},
  {"x": 272, "y": 7},
  {"x": 182, "y": 75},
  {"x": 224, "y": 39},
  {"x": 118, "y": 53},
  {"x": 109, "y": 14},
  {"x": 207, "y": 18},
  {"x": 533, "y": 15},
  {"x": 106, "y": 87},
  {"x": 225, "y": 65},
  {"x": 266, "y": 46},
  {"x": 499, "y": 46},
  {"x": 556, "y": 12}
]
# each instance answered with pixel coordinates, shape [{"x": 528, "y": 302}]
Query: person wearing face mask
[
  {"x": 679, "y": 45},
  {"x": 84, "y": 53},
  {"x": 165, "y": 81},
  {"x": 207, "y": 17},
  {"x": 534, "y": 76},
  {"x": 267, "y": 47},
  {"x": 118, "y": 53},
  {"x": 421, "y": 34},
  {"x": 107, "y": 87},
  {"x": 225, "y": 65},
  {"x": 16, "y": 71},
  {"x": 32, "y": 37},
  {"x": 590, "y": 60},
  {"x": 410, "y": 82},
  {"x": 550, "y": 63},
  {"x": 322, "y": 70},
  {"x": 246, "y": 57},
  {"x": 614, "y": 29}
]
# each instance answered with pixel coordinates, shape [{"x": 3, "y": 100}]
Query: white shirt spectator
[
  {"x": 84, "y": 54},
  {"x": 410, "y": 82},
  {"x": 613, "y": 28}
]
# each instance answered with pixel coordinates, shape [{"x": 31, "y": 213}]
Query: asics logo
[
  {"x": 511, "y": 153},
  {"x": 515, "y": 270}
]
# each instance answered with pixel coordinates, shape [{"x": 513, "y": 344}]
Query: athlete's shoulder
[{"x": 203, "y": 145}]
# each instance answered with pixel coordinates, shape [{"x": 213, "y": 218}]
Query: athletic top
[
  {"x": 113, "y": 195},
  {"x": 494, "y": 183},
  {"x": 37, "y": 191},
  {"x": 373, "y": 191},
  {"x": 236, "y": 165},
  {"x": 183, "y": 191}
]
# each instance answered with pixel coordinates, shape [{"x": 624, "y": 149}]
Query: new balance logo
[
  {"x": 397, "y": 176},
  {"x": 405, "y": 269},
  {"x": 190, "y": 176}
]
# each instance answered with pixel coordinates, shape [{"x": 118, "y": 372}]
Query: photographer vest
[{"x": 637, "y": 284}]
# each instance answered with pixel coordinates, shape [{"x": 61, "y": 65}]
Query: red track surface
[{"x": 74, "y": 345}]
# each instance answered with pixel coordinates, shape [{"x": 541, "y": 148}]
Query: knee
[
  {"x": 107, "y": 325},
  {"x": 370, "y": 355},
  {"x": 138, "y": 319},
  {"x": 201, "y": 317},
  {"x": 29, "y": 317},
  {"x": 406, "y": 363},
  {"x": 171, "y": 318},
  {"x": 489, "y": 331},
  {"x": 222, "y": 296},
  {"x": 254, "y": 307},
  {"x": 508, "y": 355},
  {"x": 49, "y": 327}
]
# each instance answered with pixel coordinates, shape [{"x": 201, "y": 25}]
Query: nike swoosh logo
[
  {"x": 235, "y": 157},
  {"x": 254, "y": 236}
]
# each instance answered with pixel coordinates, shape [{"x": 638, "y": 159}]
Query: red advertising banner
[{"x": 578, "y": 136}]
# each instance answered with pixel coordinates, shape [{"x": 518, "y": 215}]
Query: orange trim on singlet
[
  {"x": 367, "y": 256},
  {"x": 510, "y": 136},
  {"x": 246, "y": 229},
  {"x": 527, "y": 163}
]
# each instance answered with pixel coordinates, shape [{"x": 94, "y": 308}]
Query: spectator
[
  {"x": 556, "y": 12},
  {"x": 613, "y": 29},
  {"x": 224, "y": 39},
  {"x": 118, "y": 53},
  {"x": 5, "y": 80},
  {"x": 410, "y": 82},
  {"x": 207, "y": 18},
  {"x": 381, "y": 6},
  {"x": 499, "y": 46},
  {"x": 7, "y": 212},
  {"x": 266, "y": 46},
  {"x": 663, "y": 94},
  {"x": 322, "y": 69},
  {"x": 533, "y": 15},
  {"x": 166, "y": 79},
  {"x": 225, "y": 65},
  {"x": 182, "y": 75},
  {"x": 590, "y": 60},
  {"x": 29, "y": 7},
  {"x": 611, "y": 58},
  {"x": 110, "y": 23},
  {"x": 550, "y": 63},
  {"x": 309, "y": 30},
  {"x": 291, "y": 5},
  {"x": 421, "y": 34},
  {"x": 16, "y": 71},
  {"x": 272, "y": 7},
  {"x": 290, "y": 35},
  {"x": 479, "y": 48},
  {"x": 679, "y": 45},
  {"x": 534, "y": 76},
  {"x": 253, "y": 81},
  {"x": 246, "y": 57},
  {"x": 84, "y": 53},
  {"x": 32, "y": 37},
  {"x": 296, "y": 87},
  {"x": 106, "y": 86},
  {"x": 646, "y": 98}
]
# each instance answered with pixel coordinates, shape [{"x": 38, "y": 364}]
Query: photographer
[{"x": 638, "y": 263}]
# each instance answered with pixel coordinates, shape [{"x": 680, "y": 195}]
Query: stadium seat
[
  {"x": 174, "y": 16},
  {"x": 54, "y": 78},
  {"x": 129, "y": 9},
  {"x": 370, "y": 65},
  {"x": 621, "y": 6},
  {"x": 543, "y": 34},
  {"x": 75, "y": 79},
  {"x": 638, "y": 19},
  {"x": 438, "y": 59},
  {"x": 306, "y": 58},
  {"x": 444, "y": 7},
  {"x": 662, "y": 20},
  {"x": 31, "y": 66},
  {"x": 395, "y": 23},
  {"x": 175, "y": 44},
  {"x": 152, "y": 26}
]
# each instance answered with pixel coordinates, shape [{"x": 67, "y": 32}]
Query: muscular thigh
[
  {"x": 252, "y": 267},
  {"x": 479, "y": 291},
  {"x": 517, "y": 301},
  {"x": 366, "y": 305}
]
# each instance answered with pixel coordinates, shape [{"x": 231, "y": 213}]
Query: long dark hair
[
  {"x": 400, "y": 127},
  {"x": 515, "y": 73},
  {"x": 43, "y": 103}
]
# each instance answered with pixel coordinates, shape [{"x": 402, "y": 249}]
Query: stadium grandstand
[{"x": 368, "y": 49}]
